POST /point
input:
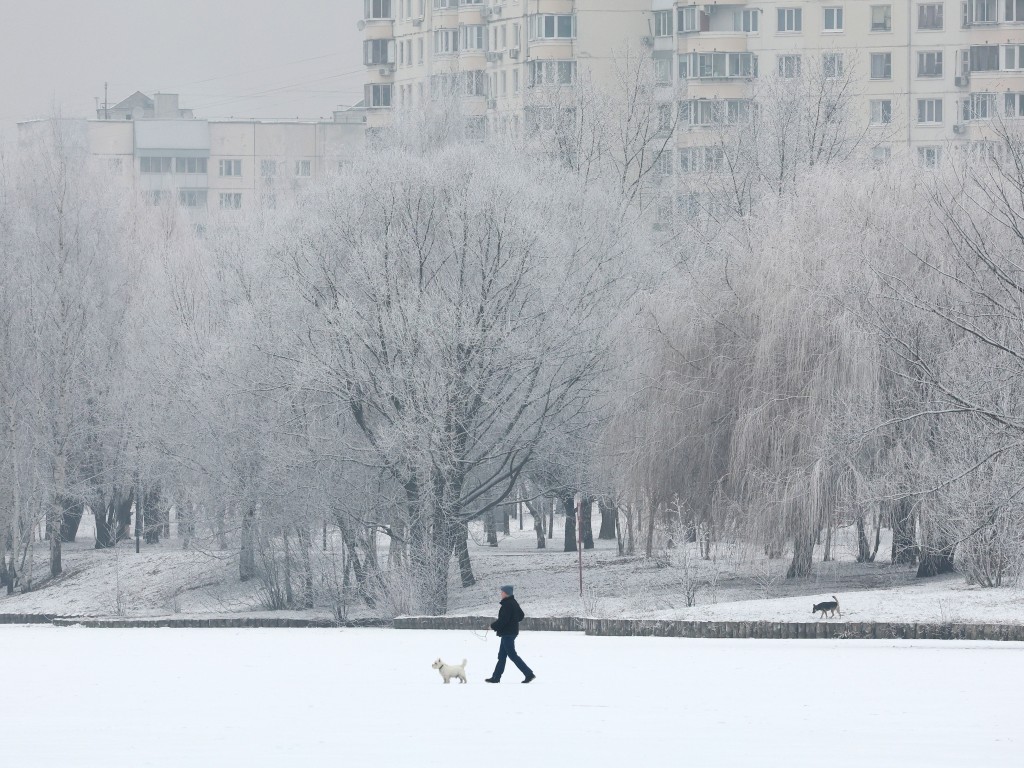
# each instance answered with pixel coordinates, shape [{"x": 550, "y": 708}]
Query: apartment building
[
  {"x": 923, "y": 74},
  {"x": 207, "y": 165},
  {"x": 488, "y": 53}
]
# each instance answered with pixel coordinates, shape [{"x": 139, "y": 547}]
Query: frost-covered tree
[{"x": 455, "y": 309}]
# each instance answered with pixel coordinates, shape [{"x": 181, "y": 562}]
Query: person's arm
[{"x": 501, "y": 623}]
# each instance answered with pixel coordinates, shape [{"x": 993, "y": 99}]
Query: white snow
[{"x": 178, "y": 698}]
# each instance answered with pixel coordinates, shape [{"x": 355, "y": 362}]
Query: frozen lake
[{"x": 195, "y": 698}]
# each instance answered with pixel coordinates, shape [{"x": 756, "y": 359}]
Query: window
[
  {"x": 230, "y": 167},
  {"x": 881, "y": 66},
  {"x": 190, "y": 165},
  {"x": 748, "y": 20},
  {"x": 832, "y": 65},
  {"x": 379, "y": 95},
  {"x": 440, "y": 5},
  {"x": 714, "y": 111},
  {"x": 790, "y": 19},
  {"x": 881, "y": 111},
  {"x": 663, "y": 164},
  {"x": 662, "y": 70},
  {"x": 789, "y": 65},
  {"x": 515, "y": 81},
  {"x": 474, "y": 37},
  {"x": 1014, "y": 10},
  {"x": 1013, "y": 57},
  {"x": 718, "y": 65},
  {"x": 693, "y": 20},
  {"x": 378, "y": 52},
  {"x": 665, "y": 118},
  {"x": 929, "y": 111},
  {"x": 929, "y": 16},
  {"x": 550, "y": 26},
  {"x": 881, "y": 154},
  {"x": 698, "y": 159},
  {"x": 552, "y": 73},
  {"x": 929, "y": 64},
  {"x": 1013, "y": 104},
  {"x": 192, "y": 198},
  {"x": 268, "y": 168},
  {"x": 155, "y": 164},
  {"x": 834, "y": 19},
  {"x": 978, "y": 106},
  {"x": 984, "y": 58},
  {"x": 156, "y": 196},
  {"x": 377, "y": 9},
  {"x": 929, "y": 156},
  {"x": 881, "y": 18},
  {"x": 419, "y": 50},
  {"x": 446, "y": 41},
  {"x": 663, "y": 23},
  {"x": 303, "y": 168},
  {"x": 981, "y": 12},
  {"x": 231, "y": 201},
  {"x": 474, "y": 83}
]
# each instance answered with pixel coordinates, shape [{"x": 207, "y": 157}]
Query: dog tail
[
  {"x": 463, "y": 662},
  {"x": 836, "y": 599}
]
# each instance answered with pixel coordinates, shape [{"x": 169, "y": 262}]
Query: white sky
[{"x": 227, "y": 58}]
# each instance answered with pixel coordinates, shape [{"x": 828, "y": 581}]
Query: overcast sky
[{"x": 227, "y": 58}]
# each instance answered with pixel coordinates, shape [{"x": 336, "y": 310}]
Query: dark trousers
[{"x": 507, "y": 649}]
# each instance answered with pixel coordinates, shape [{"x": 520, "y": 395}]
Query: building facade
[
  {"x": 489, "y": 52},
  {"x": 212, "y": 165},
  {"x": 923, "y": 74}
]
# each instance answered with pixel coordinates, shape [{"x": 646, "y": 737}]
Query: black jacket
[{"x": 509, "y": 616}]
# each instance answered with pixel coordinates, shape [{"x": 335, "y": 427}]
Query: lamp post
[{"x": 578, "y": 499}]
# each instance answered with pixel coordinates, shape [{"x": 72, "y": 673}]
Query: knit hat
[{"x": 507, "y": 589}]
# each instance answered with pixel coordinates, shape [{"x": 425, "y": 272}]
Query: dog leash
[{"x": 478, "y": 636}]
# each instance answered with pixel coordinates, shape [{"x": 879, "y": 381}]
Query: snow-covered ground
[
  {"x": 252, "y": 698},
  {"x": 738, "y": 584}
]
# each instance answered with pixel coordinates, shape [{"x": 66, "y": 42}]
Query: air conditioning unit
[
  {"x": 647, "y": 40},
  {"x": 388, "y": 70},
  {"x": 960, "y": 81},
  {"x": 417, "y": 22},
  {"x": 493, "y": 56},
  {"x": 492, "y": 103},
  {"x": 959, "y": 128},
  {"x": 360, "y": 25},
  {"x": 513, "y": 53}
]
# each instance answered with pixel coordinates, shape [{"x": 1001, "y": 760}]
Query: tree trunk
[
  {"x": 803, "y": 555},
  {"x": 156, "y": 517},
  {"x": 607, "y": 511},
  {"x": 904, "y": 548},
  {"x": 653, "y": 513},
  {"x": 504, "y": 511},
  {"x": 305, "y": 552},
  {"x": 247, "y": 558},
  {"x": 70, "y": 519},
  {"x": 631, "y": 531},
  {"x": 620, "y": 535},
  {"x": 462, "y": 549},
  {"x": 570, "y": 525},
  {"x": 551, "y": 517},
  {"x": 538, "y": 521},
  {"x": 586, "y": 514},
  {"x": 491, "y": 527},
  {"x": 53, "y": 531}
]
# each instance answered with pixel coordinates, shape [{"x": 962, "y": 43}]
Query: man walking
[{"x": 507, "y": 627}]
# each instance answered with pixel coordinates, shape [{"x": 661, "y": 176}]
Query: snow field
[{"x": 198, "y": 698}]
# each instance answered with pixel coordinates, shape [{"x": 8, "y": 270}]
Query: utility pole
[{"x": 106, "y": 111}]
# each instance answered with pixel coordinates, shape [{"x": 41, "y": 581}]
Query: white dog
[{"x": 448, "y": 671}]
